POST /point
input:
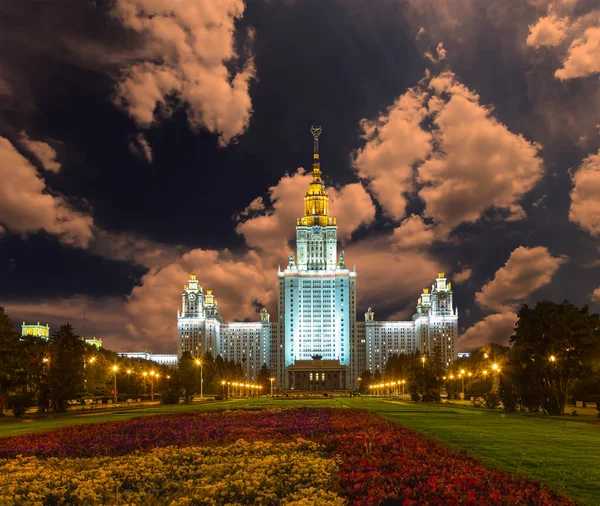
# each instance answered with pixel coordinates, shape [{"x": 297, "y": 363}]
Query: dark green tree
[
  {"x": 263, "y": 379},
  {"x": 13, "y": 377},
  {"x": 187, "y": 376},
  {"x": 65, "y": 367},
  {"x": 366, "y": 380},
  {"x": 553, "y": 346}
]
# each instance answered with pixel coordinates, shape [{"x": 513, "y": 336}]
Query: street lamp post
[
  {"x": 115, "y": 368},
  {"x": 403, "y": 381},
  {"x": 199, "y": 362},
  {"x": 152, "y": 373},
  {"x": 423, "y": 361},
  {"x": 271, "y": 380}
]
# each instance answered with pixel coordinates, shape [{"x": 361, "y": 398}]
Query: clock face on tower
[
  {"x": 192, "y": 297},
  {"x": 442, "y": 295}
]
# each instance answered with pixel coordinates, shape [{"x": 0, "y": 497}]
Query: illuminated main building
[{"x": 316, "y": 342}]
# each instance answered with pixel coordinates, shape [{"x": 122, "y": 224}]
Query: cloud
[
  {"x": 27, "y": 207},
  {"x": 547, "y": 31},
  {"x": 440, "y": 54},
  {"x": 585, "y": 201},
  {"x": 413, "y": 234},
  {"x": 494, "y": 328},
  {"x": 131, "y": 248},
  {"x": 45, "y": 153},
  {"x": 464, "y": 275},
  {"x": 464, "y": 160},
  {"x": 190, "y": 53},
  {"x": 139, "y": 147},
  {"x": 596, "y": 295},
  {"x": 478, "y": 163},
  {"x": 583, "y": 58},
  {"x": 394, "y": 143},
  {"x": 574, "y": 33},
  {"x": 526, "y": 270}
]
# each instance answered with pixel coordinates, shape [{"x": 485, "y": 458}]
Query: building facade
[
  {"x": 169, "y": 359},
  {"x": 317, "y": 317},
  {"x": 38, "y": 330}
]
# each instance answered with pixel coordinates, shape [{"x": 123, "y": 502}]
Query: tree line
[{"x": 51, "y": 374}]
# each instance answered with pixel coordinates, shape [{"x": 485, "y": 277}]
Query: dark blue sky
[{"x": 330, "y": 63}]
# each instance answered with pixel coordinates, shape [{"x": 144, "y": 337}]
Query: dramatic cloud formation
[
  {"x": 190, "y": 52},
  {"x": 494, "y": 328},
  {"x": 547, "y": 31},
  {"x": 479, "y": 163},
  {"x": 585, "y": 200},
  {"x": 45, "y": 153},
  {"x": 596, "y": 295},
  {"x": 466, "y": 164},
  {"x": 526, "y": 270},
  {"x": 413, "y": 233},
  {"x": 583, "y": 58},
  {"x": 580, "y": 33},
  {"x": 461, "y": 277},
  {"x": 27, "y": 207},
  {"x": 394, "y": 143}
]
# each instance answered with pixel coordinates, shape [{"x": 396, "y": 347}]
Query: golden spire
[{"x": 316, "y": 199}]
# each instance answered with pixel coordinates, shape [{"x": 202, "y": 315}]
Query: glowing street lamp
[
  {"x": 152, "y": 373},
  {"x": 552, "y": 358},
  {"x": 423, "y": 361},
  {"x": 115, "y": 369},
  {"x": 462, "y": 377},
  {"x": 495, "y": 367},
  {"x": 199, "y": 362},
  {"x": 271, "y": 380},
  {"x": 403, "y": 382}
]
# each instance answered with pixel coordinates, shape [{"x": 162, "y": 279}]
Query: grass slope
[{"x": 564, "y": 454}]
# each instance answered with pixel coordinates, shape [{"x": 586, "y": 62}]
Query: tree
[
  {"x": 187, "y": 373},
  {"x": 13, "y": 376},
  {"x": 65, "y": 366},
  {"x": 366, "y": 382},
  {"x": 264, "y": 379},
  {"x": 553, "y": 346}
]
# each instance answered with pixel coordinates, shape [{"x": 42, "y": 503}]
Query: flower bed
[{"x": 363, "y": 458}]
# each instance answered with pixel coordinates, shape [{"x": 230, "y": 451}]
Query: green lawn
[{"x": 562, "y": 453}]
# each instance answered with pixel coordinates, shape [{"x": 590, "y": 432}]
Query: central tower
[
  {"x": 317, "y": 292},
  {"x": 316, "y": 231}
]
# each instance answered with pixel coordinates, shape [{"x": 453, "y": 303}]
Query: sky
[{"x": 141, "y": 140}]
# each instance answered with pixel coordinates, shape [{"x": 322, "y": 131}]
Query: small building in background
[
  {"x": 38, "y": 330},
  {"x": 97, "y": 342},
  {"x": 169, "y": 359}
]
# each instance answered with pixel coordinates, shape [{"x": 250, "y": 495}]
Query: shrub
[
  {"x": 415, "y": 397},
  {"x": 19, "y": 403},
  {"x": 492, "y": 400}
]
